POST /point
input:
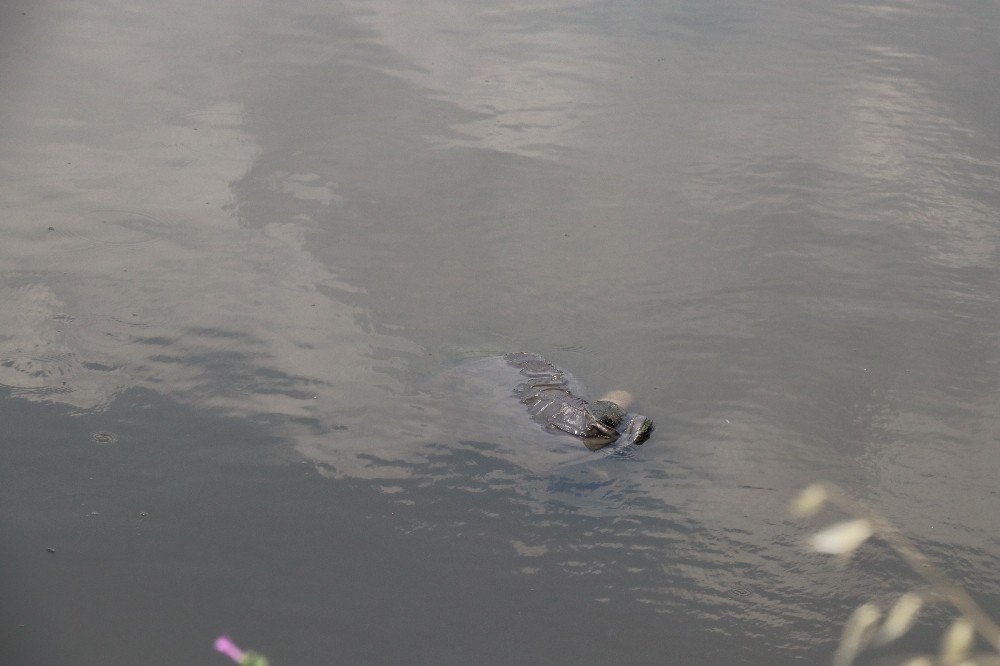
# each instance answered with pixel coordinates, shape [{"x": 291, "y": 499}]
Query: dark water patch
[
  {"x": 99, "y": 367},
  {"x": 156, "y": 341},
  {"x": 242, "y": 336}
]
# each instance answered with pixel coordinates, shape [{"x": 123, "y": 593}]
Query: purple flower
[{"x": 228, "y": 648}]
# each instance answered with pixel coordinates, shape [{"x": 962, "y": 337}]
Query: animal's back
[{"x": 552, "y": 403}]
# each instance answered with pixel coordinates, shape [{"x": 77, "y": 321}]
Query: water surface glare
[{"x": 261, "y": 259}]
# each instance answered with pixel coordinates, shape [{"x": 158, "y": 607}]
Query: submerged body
[{"x": 547, "y": 395}]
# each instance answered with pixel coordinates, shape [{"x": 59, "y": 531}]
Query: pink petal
[{"x": 228, "y": 648}]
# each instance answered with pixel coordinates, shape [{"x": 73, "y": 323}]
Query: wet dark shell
[{"x": 550, "y": 402}]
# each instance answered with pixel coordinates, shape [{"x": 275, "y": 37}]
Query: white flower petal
[
  {"x": 842, "y": 538},
  {"x": 900, "y": 618},
  {"x": 957, "y": 640},
  {"x": 858, "y": 632},
  {"x": 809, "y": 501}
]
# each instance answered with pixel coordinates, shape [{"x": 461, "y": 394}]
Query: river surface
[{"x": 257, "y": 258}]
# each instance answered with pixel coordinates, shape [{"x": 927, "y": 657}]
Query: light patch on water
[
  {"x": 304, "y": 186},
  {"x": 244, "y": 321},
  {"x": 531, "y": 88},
  {"x": 525, "y": 550}
]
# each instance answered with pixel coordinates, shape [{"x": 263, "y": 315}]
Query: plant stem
[{"x": 954, "y": 593}]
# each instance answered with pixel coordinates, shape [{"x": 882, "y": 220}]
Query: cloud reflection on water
[
  {"x": 531, "y": 83},
  {"x": 128, "y": 266}
]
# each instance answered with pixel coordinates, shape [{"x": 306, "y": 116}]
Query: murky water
[{"x": 255, "y": 254}]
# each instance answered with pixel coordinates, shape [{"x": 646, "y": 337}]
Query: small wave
[
  {"x": 110, "y": 330},
  {"x": 220, "y": 115},
  {"x": 573, "y": 348},
  {"x": 118, "y": 227},
  {"x": 38, "y": 374},
  {"x": 104, "y": 437}
]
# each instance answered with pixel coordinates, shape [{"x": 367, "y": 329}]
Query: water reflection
[
  {"x": 307, "y": 217},
  {"x": 530, "y": 81},
  {"x": 130, "y": 267}
]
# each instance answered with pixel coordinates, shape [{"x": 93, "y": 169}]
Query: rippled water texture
[{"x": 260, "y": 260}]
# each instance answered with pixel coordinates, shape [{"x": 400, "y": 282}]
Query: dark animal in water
[{"x": 550, "y": 402}]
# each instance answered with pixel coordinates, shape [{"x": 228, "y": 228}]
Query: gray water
[{"x": 257, "y": 256}]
